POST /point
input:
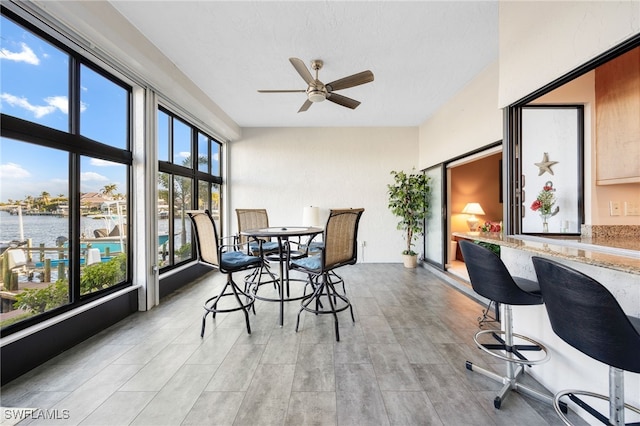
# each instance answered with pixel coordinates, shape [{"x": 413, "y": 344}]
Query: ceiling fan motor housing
[{"x": 317, "y": 93}]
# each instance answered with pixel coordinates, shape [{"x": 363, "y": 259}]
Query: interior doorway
[{"x": 475, "y": 178}]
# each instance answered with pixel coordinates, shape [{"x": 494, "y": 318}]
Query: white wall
[
  {"x": 470, "y": 120},
  {"x": 286, "y": 169},
  {"x": 542, "y": 41}
]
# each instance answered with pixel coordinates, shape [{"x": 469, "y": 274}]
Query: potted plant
[{"x": 409, "y": 200}]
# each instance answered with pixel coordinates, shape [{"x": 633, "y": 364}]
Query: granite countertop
[{"x": 619, "y": 253}]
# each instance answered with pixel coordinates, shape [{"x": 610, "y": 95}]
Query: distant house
[{"x": 93, "y": 200}]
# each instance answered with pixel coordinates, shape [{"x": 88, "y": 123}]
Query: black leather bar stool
[
  {"x": 491, "y": 279},
  {"x": 585, "y": 314}
]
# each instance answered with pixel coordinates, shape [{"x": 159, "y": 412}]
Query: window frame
[
  {"x": 76, "y": 146},
  {"x": 197, "y": 176}
]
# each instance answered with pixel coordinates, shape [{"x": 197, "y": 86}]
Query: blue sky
[{"x": 34, "y": 87}]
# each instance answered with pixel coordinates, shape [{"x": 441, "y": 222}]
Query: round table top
[{"x": 282, "y": 231}]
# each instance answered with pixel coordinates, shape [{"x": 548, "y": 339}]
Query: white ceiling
[{"x": 420, "y": 52}]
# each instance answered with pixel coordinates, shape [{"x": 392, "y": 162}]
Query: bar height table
[{"x": 282, "y": 234}]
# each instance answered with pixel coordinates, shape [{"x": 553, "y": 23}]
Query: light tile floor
[{"x": 401, "y": 363}]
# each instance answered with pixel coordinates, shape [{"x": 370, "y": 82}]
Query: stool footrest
[
  {"x": 589, "y": 409},
  {"x": 560, "y": 406},
  {"x": 511, "y": 349}
]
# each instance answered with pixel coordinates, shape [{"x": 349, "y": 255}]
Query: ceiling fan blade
[
  {"x": 305, "y": 106},
  {"x": 282, "y": 91},
  {"x": 302, "y": 69},
  {"x": 351, "y": 81},
  {"x": 343, "y": 100}
]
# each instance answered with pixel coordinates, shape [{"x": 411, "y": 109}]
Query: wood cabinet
[{"x": 618, "y": 120}]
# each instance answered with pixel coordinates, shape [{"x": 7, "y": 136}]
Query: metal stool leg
[{"x": 515, "y": 362}]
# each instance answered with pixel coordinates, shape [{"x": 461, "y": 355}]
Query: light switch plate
[
  {"x": 631, "y": 208},
  {"x": 614, "y": 208}
]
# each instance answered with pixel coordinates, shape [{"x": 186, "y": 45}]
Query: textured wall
[{"x": 286, "y": 169}]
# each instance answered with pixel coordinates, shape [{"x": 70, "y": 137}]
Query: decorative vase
[{"x": 545, "y": 224}]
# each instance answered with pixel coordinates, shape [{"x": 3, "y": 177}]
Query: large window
[
  {"x": 188, "y": 178},
  {"x": 65, "y": 167}
]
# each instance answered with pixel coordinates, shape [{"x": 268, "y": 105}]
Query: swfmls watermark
[{"x": 14, "y": 415}]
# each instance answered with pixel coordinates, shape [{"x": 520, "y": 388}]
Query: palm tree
[
  {"x": 181, "y": 193},
  {"x": 108, "y": 190},
  {"x": 44, "y": 196},
  {"x": 28, "y": 201}
]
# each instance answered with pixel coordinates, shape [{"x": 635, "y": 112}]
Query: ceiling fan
[{"x": 317, "y": 91}]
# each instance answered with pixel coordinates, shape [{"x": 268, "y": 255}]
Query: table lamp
[
  {"x": 473, "y": 209},
  {"x": 311, "y": 216}
]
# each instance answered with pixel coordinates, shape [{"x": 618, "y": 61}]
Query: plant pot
[{"x": 410, "y": 261}]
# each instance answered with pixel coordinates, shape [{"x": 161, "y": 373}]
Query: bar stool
[
  {"x": 250, "y": 219},
  {"x": 213, "y": 253},
  {"x": 585, "y": 314},
  {"x": 340, "y": 249},
  {"x": 491, "y": 279}
]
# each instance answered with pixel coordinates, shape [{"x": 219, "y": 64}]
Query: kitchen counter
[
  {"x": 612, "y": 260},
  {"x": 617, "y": 253}
]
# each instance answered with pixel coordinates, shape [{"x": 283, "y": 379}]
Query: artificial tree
[{"x": 409, "y": 200}]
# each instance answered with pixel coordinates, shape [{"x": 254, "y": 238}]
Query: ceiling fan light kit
[
  {"x": 317, "y": 91},
  {"x": 316, "y": 96}
]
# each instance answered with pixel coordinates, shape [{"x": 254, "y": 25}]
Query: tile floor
[{"x": 401, "y": 363}]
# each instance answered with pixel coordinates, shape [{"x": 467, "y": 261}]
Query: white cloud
[
  {"x": 38, "y": 111},
  {"x": 53, "y": 103},
  {"x": 184, "y": 154},
  {"x": 26, "y": 55},
  {"x": 13, "y": 171},
  {"x": 102, "y": 163},
  {"x": 92, "y": 177},
  {"x": 58, "y": 102}
]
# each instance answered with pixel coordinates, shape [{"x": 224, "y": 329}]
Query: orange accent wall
[{"x": 478, "y": 181}]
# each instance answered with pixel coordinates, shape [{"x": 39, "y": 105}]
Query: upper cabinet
[{"x": 618, "y": 120}]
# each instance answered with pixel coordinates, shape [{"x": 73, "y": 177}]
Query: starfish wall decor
[{"x": 545, "y": 165}]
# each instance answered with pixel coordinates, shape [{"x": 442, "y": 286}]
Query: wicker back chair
[
  {"x": 251, "y": 219},
  {"x": 212, "y": 252},
  {"x": 340, "y": 238},
  {"x": 340, "y": 248}
]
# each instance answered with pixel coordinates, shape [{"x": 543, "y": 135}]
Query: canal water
[{"x": 46, "y": 229}]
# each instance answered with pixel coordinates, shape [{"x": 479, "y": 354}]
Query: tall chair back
[
  {"x": 340, "y": 238},
  {"x": 206, "y": 234},
  {"x": 251, "y": 219},
  {"x": 490, "y": 277}
]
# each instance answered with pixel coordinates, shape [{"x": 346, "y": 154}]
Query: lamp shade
[
  {"x": 311, "y": 216},
  {"x": 473, "y": 208}
]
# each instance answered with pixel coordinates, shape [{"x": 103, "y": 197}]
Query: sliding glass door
[{"x": 435, "y": 224}]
